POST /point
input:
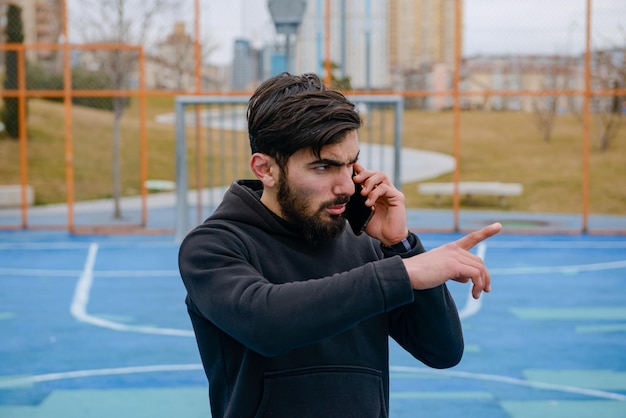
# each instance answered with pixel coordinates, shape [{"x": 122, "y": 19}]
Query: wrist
[{"x": 404, "y": 245}]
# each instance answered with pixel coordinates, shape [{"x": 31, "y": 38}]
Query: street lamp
[{"x": 287, "y": 15}]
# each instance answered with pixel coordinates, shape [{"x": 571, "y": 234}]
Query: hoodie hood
[{"x": 242, "y": 204}]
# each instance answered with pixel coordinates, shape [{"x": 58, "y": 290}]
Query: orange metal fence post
[
  {"x": 327, "y": 67},
  {"x": 586, "y": 140},
  {"x": 67, "y": 101},
  {"x": 457, "y": 110},
  {"x": 67, "y": 94},
  {"x": 22, "y": 134},
  {"x": 199, "y": 154},
  {"x": 197, "y": 46}
]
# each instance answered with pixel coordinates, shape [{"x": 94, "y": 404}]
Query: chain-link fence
[{"x": 529, "y": 94}]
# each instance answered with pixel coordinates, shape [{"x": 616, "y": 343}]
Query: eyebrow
[{"x": 334, "y": 163}]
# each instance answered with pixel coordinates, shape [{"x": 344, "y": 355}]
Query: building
[
  {"x": 176, "y": 56},
  {"x": 245, "y": 65},
  {"x": 523, "y": 73},
  {"x": 41, "y": 20},
  {"x": 421, "y": 43},
  {"x": 421, "y": 32},
  {"x": 172, "y": 65},
  {"x": 378, "y": 44},
  {"x": 358, "y": 41}
]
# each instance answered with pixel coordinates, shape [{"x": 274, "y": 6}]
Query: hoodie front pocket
[{"x": 328, "y": 391}]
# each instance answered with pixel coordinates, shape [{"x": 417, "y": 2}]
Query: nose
[{"x": 344, "y": 184}]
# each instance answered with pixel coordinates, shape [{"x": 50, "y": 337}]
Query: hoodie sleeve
[
  {"x": 429, "y": 328},
  {"x": 225, "y": 285}
]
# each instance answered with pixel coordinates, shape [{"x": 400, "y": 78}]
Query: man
[{"x": 291, "y": 310}]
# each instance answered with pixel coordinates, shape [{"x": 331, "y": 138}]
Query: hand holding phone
[
  {"x": 357, "y": 213},
  {"x": 388, "y": 225}
]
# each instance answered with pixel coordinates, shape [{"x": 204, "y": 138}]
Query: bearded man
[{"x": 291, "y": 309}]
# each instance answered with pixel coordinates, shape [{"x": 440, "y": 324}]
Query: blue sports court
[{"x": 96, "y": 326}]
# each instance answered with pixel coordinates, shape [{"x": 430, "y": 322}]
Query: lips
[{"x": 336, "y": 209}]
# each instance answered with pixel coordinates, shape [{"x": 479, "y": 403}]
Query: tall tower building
[
  {"x": 358, "y": 41},
  {"x": 421, "y": 32},
  {"x": 378, "y": 44},
  {"x": 244, "y": 65}
]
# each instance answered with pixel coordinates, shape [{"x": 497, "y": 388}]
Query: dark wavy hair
[{"x": 290, "y": 112}]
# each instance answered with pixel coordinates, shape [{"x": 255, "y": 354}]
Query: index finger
[
  {"x": 358, "y": 168},
  {"x": 473, "y": 238}
]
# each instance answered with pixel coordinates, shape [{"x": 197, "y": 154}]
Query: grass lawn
[{"x": 494, "y": 146}]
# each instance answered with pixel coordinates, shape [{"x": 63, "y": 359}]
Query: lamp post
[{"x": 287, "y": 16}]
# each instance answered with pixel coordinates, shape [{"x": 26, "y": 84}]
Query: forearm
[{"x": 430, "y": 328}]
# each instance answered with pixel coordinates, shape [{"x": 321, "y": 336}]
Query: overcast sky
[
  {"x": 546, "y": 26},
  {"x": 491, "y": 26}
]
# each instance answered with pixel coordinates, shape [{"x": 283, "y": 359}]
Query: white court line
[
  {"x": 80, "y": 301},
  {"x": 4, "y": 272},
  {"x": 565, "y": 269},
  {"x": 19, "y": 272},
  {"x": 574, "y": 268},
  {"x": 48, "y": 377},
  {"x": 512, "y": 381},
  {"x": 61, "y": 246},
  {"x": 472, "y": 306},
  {"x": 576, "y": 245},
  {"x": 22, "y": 381},
  {"x": 592, "y": 245},
  {"x": 83, "y": 287},
  {"x": 52, "y": 245}
]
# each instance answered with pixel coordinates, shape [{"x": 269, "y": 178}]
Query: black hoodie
[{"x": 288, "y": 329}]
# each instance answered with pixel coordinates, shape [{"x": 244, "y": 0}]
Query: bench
[
  {"x": 11, "y": 196},
  {"x": 470, "y": 188},
  {"x": 160, "y": 185}
]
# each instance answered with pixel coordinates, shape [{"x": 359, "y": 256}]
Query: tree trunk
[{"x": 118, "y": 109}]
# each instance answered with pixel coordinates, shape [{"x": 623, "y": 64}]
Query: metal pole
[
  {"x": 182, "y": 209},
  {"x": 287, "y": 52},
  {"x": 397, "y": 143},
  {"x": 143, "y": 141}
]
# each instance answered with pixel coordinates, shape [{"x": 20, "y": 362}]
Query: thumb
[{"x": 470, "y": 240}]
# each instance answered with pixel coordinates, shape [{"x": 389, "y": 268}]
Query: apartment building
[
  {"x": 41, "y": 20},
  {"x": 378, "y": 44}
]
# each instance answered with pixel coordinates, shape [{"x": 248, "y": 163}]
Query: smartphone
[{"x": 357, "y": 214}]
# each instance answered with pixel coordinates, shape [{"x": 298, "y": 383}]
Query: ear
[{"x": 264, "y": 168}]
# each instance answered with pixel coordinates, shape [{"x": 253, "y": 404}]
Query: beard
[{"x": 317, "y": 227}]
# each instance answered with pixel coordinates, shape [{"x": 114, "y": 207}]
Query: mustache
[{"x": 340, "y": 200}]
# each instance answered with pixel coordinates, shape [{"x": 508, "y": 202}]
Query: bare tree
[
  {"x": 119, "y": 22},
  {"x": 176, "y": 54},
  {"x": 558, "y": 74},
  {"x": 610, "y": 74}
]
